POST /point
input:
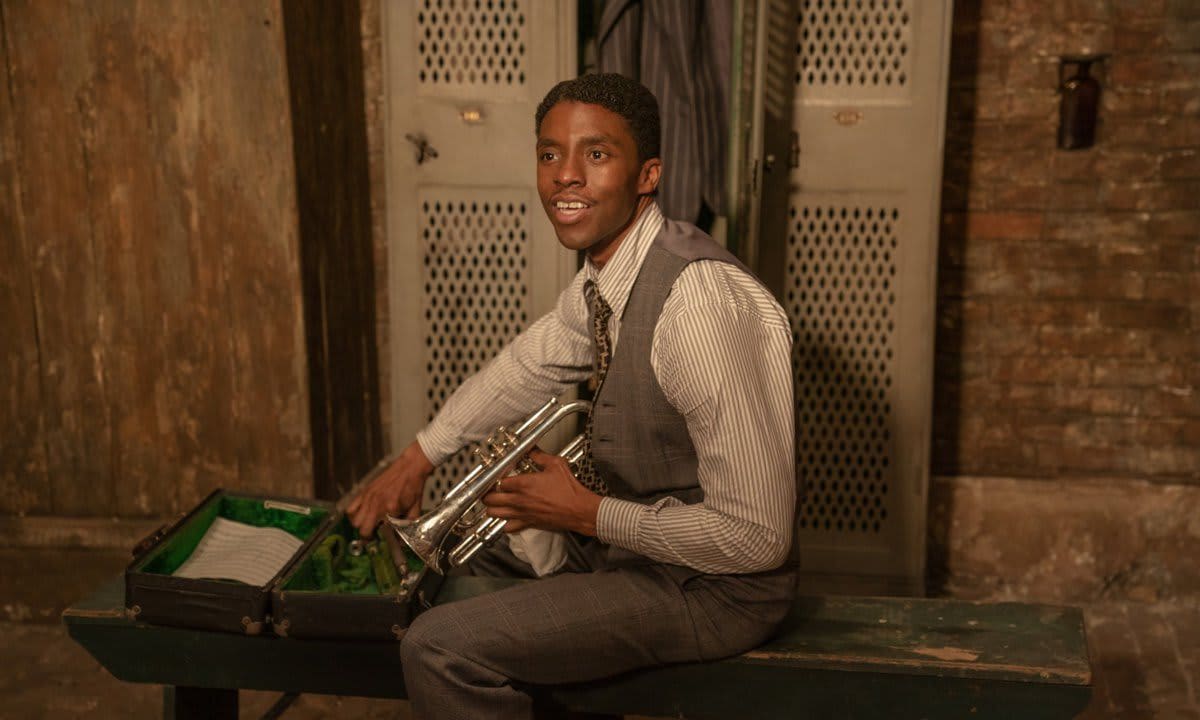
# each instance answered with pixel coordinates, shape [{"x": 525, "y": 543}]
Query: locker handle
[{"x": 425, "y": 151}]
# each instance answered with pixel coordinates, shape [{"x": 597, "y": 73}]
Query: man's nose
[{"x": 570, "y": 171}]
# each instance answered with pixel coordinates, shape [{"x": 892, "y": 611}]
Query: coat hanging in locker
[{"x": 682, "y": 53}]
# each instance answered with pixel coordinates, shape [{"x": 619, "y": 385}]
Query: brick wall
[{"x": 1069, "y": 297}]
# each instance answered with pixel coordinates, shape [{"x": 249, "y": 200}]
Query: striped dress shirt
[{"x": 721, "y": 353}]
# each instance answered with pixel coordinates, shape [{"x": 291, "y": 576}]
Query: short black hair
[{"x": 616, "y": 93}]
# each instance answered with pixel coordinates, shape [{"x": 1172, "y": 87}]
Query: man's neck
[{"x": 608, "y": 251}]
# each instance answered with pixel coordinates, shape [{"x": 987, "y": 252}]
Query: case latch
[{"x": 149, "y": 541}]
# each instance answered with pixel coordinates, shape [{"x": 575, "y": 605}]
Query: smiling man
[{"x": 676, "y": 525}]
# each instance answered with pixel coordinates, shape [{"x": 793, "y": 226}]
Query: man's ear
[{"x": 649, "y": 176}]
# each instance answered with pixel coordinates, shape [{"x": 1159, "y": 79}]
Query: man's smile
[{"x": 567, "y": 211}]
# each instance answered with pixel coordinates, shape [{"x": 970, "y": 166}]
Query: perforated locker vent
[
  {"x": 471, "y": 43},
  {"x": 840, "y": 294},
  {"x": 849, "y": 49},
  {"x": 475, "y": 248}
]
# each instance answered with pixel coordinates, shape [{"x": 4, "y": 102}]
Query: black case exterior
[
  {"x": 306, "y": 614},
  {"x": 207, "y": 604}
]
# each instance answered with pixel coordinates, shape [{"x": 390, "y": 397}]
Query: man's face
[{"x": 589, "y": 178}]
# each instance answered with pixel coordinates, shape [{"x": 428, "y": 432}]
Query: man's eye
[
  {"x": 546, "y": 156},
  {"x": 596, "y": 154}
]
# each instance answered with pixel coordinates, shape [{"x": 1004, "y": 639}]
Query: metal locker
[
  {"x": 837, "y": 184},
  {"x": 472, "y": 259}
]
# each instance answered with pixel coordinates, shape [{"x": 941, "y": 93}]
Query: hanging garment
[{"x": 681, "y": 50}]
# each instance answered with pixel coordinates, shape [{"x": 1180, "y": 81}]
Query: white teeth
[{"x": 568, "y": 205}]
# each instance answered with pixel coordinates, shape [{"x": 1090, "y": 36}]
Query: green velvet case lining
[
  {"x": 167, "y": 559},
  {"x": 330, "y": 568}
]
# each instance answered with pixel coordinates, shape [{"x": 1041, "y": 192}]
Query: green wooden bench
[{"x": 836, "y": 657}]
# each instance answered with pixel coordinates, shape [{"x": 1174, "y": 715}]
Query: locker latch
[{"x": 425, "y": 151}]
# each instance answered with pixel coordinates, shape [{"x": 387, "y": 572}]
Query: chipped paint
[{"x": 946, "y": 653}]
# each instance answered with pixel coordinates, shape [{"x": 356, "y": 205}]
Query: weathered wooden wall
[
  {"x": 333, "y": 188},
  {"x": 152, "y": 340}
]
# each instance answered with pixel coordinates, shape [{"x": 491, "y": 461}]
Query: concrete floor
[{"x": 1145, "y": 657}]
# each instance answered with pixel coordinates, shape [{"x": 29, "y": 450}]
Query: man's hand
[
  {"x": 552, "y": 499},
  {"x": 396, "y": 491}
]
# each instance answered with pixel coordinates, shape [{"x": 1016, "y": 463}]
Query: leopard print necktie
[{"x": 600, "y": 312}]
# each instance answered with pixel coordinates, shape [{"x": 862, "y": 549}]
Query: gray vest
[{"x": 640, "y": 444}]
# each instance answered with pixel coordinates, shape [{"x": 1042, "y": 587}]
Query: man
[{"x": 676, "y": 546}]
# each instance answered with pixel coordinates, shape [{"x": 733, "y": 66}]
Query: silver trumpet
[{"x": 462, "y": 513}]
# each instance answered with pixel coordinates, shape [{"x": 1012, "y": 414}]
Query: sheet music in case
[
  {"x": 201, "y": 572},
  {"x": 156, "y": 593}
]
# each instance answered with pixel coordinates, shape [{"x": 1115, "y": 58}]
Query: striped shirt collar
[{"x": 615, "y": 279}]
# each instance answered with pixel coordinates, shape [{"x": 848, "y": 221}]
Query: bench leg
[{"x": 191, "y": 703}]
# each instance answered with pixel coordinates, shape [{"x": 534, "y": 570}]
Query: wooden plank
[
  {"x": 1004, "y": 641},
  {"x": 24, "y": 483},
  {"x": 123, "y": 201},
  {"x": 1011, "y": 642},
  {"x": 734, "y": 689},
  {"x": 162, "y": 252},
  {"x": 325, "y": 74},
  {"x": 269, "y": 363},
  {"x": 782, "y": 679},
  {"x": 50, "y": 85}
]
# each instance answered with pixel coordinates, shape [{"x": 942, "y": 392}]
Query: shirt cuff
[
  {"x": 437, "y": 442},
  {"x": 617, "y": 522}
]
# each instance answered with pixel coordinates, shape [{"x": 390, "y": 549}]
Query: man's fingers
[
  {"x": 509, "y": 491},
  {"x": 541, "y": 457},
  {"x": 503, "y": 512},
  {"x": 514, "y": 484},
  {"x": 361, "y": 520},
  {"x": 550, "y": 462},
  {"x": 373, "y": 509},
  {"x": 414, "y": 512}
]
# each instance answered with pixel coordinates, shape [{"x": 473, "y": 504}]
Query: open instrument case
[{"x": 334, "y": 586}]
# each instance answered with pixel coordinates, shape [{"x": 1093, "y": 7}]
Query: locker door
[
  {"x": 472, "y": 258},
  {"x": 852, "y": 257}
]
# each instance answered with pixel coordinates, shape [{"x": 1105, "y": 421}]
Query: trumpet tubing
[{"x": 461, "y": 512}]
